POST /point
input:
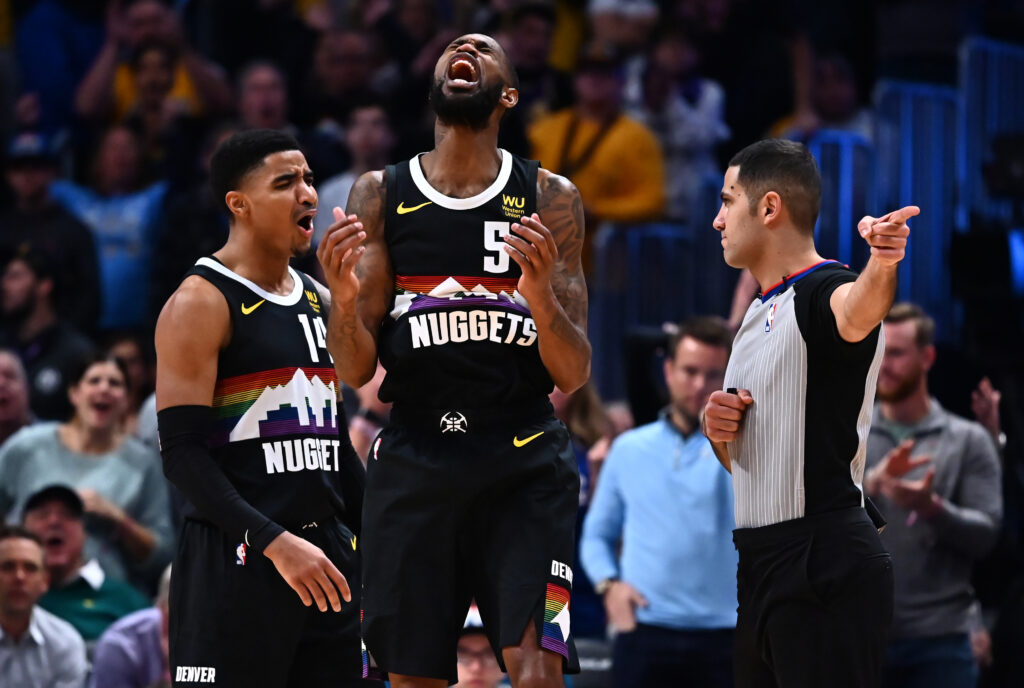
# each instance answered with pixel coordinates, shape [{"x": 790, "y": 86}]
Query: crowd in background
[{"x": 111, "y": 109}]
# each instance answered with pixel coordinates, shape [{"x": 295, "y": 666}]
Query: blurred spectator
[
  {"x": 122, "y": 213},
  {"x": 55, "y": 42},
  {"x": 111, "y": 89},
  {"x": 119, "y": 479},
  {"x": 80, "y": 592},
  {"x": 36, "y": 221},
  {"x": 615, "y": 161},
  {"x": 37, "y": 650},
  {"x": 263, "y": 97},
  {"x": 50, "y": 348},
  {"x": 936, "y": 477},
  {"x": 15, "y": 412},
  {"x": 133, "y": 652},
  {"x": 685, "y": 111},
  {"x": 167, "y": 130},
  {"x": 194, "y": 224},
  {"x": 133, "y": 350},
  {"x": 657, "y": 477},
  {"x": 623, "y": 25},
  {"x": 835, "y": 104},
  {"x": 477, "y": 663},
  {"x": 584, "y": 416},
  {"x": 342, "y": 69},
  {"x": 527, "y": 40},
  {"x": 370, "y": 140}
]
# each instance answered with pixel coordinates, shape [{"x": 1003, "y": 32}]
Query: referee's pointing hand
[
  {"x": 724, "y": 413},
  {"x": 308, "y": 571},
  {"x": 887, "y": 235}
]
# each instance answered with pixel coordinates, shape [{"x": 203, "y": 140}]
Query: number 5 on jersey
[
  {"x": 494, "y": 240},
  {"x": 321, "y": 336}
]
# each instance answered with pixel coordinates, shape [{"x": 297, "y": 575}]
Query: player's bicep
[
  {"x": 190, "y": 332},
  {"x": 561, "y": 210},
  {"x": 376, "y": 278}
]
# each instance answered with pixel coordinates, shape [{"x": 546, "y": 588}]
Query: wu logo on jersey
[
  {"x": 770, "y": 320},
  {"x": 314, "y": 300},
  {"x": 513, "y": 206}
]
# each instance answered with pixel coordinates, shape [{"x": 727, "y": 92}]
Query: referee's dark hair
[
  {"x": 707, "y": 329},
  {"x": 788, "y": 169},
  {"x": 240, "y": 155},
  {"x": 924, "y": 326}
]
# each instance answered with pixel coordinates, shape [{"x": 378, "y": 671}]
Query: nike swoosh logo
[
  {"x": 522, "y": 443},
  {"x": 353, "y": 542},
  {"x": 402, "y": 210},
  {"x": 250, "y": 309}
]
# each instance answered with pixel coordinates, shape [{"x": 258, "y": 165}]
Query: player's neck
[
  {"x": 782, "y": 258},
  {"x": 244, "y": 255},
  {"x": 463, "y": 162},
  {"x": 910, "y": 410}
]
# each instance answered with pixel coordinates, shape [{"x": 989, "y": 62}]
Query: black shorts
[
  {"x": 815, "y": 603},
  {"x": 462, "y": 506},
  {"x": 231, "y": 613}
]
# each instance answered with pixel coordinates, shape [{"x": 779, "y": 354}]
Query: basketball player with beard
[{"x": 461, "y": 270}]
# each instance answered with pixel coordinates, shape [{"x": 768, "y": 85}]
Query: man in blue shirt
[{"x": 671, "y": 594}]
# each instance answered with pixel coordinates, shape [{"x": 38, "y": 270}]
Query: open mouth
[
  {"x": 102, "y": 406},
  {"x": 462, "y": 72},
  {"x": 305, "y": 222},
  {"x": 53, "y": 541}
]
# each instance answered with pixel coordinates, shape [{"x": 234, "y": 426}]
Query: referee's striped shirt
[{"x": 801, "y": 448}]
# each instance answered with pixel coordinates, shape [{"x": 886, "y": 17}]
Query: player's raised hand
[
  {"x": 533, "y": 247},
  {"x": 308, "y": 571},
  {"x": 724, "y": 413},
  {"x": 887, "y": 235},
  {"x": 338, "y": 254}
]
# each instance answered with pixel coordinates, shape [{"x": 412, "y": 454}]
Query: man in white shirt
[{"x": 37, "y": 650}]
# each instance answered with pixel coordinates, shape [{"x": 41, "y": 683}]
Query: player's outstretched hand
[
  {"x": 887, "y": 235},
  {"x": 531, "y": 245},
  {"x": 338, "y": 254},
  {"x": 724, "y": 413},
  {"x": 308, "y": 571}
]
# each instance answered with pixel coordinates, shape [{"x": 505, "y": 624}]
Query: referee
[{"x": 814, "y": 581}]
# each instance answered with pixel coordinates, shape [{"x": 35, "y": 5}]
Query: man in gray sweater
[{"x": 936, "y": 477}]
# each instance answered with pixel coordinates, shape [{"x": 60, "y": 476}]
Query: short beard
[
  {"x": 902, "y": 390},
  {"x": 472, "y": 110}
]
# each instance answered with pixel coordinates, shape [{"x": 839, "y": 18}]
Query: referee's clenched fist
[{"x": 724, "y": 413}]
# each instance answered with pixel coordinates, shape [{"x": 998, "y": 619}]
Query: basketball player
[
  {"x": 814, "y": 583},
  {"x": 461, "y": 270},
  {"x": 252, "y": 434}
]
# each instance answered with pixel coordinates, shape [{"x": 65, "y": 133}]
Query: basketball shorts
[
  {"x": 464, "y": 506},
  {"x": 815, "y": 603},
  {"x": 235, "y": 622}
]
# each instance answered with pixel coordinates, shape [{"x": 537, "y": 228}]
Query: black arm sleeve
[{"x": 188, "y": 464}]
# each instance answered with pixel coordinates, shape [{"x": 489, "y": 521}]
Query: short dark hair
[
  {"x": 83, "y": 364},
  {"x": 12, "y": 531},
  {"x": 924, "y": 326},
  {"x": 707, "y": 329},
  {"x": 788, "y": 169},
  {"x": 243, "y": 153},
  {"x": 38, "y": 261}
]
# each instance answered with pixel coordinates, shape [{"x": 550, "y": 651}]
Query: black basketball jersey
[
  {"x": 458, "y": 332},
  {"x": 275, "y": 404}
]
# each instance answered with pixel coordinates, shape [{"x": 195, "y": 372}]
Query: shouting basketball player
[
  {"x": 461, "y": 270},
  {"x": 249, "y": 430}
]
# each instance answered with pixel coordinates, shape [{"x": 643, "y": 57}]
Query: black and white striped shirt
[{"x": 801, "y": 447}]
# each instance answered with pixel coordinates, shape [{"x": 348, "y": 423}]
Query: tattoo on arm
[{"x": 561, "y": 210}]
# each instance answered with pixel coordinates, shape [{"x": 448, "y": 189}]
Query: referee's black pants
[{"x": 815, "y": 603}]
